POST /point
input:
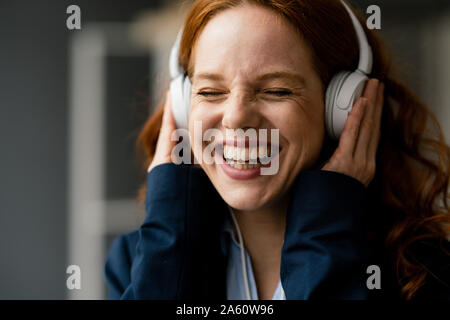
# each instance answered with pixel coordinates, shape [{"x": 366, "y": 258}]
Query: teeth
[
  {"x": 254, "y": 153},
  {"x": 243, "y": 166},
  {"x": 262, "y": 152},
  {"x": 245, "y": 158},
  {"x": 228, "y": 152},
  {"x": 245, "y": 154}
]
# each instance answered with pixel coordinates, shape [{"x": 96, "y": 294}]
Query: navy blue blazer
[{"x": 176, "y": 252}]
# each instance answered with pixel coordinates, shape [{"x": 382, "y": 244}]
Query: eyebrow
[{"x": 267, "y": 76}]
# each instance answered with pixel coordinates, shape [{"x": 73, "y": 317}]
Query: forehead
[{"x": 250, "y": 39}]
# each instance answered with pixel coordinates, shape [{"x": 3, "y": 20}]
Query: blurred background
[{"x": 72, "y": 103}]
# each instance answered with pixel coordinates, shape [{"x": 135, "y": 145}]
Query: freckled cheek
[
  {"x": 295, "y": 139},
  {"x": 302, "y": 134}
]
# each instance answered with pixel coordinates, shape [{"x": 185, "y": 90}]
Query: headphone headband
[
  {"x": 174, "y": 63},
  {"x": 365, "y": 52}
]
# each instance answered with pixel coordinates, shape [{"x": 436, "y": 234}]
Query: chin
[
  {"x": 244, "y": 200},
  {"x": 241, "y": 205}
]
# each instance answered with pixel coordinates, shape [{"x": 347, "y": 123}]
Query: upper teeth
[{"x": 245, "y": 154}]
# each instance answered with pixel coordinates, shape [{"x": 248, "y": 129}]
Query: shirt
[{"x": 235, "y": 277}]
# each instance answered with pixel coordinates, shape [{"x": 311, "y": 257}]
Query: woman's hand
[
  {"x": 164, "y": 145},
  {"x": 355, "y": 155}
]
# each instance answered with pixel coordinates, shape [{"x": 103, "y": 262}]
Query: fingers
[
  {"x": 168, "y": 122},
  {"x": 164, "y": 145},
  {"x": 349, "y": 136},
  {"x": 378, "y": 110},
  {"x": 367, "y": 126},
  {"x": 371, "y": 93},
  {"x": 355, "y": 155}
]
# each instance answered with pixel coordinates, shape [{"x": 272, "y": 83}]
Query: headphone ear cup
[
  {"x": 187, "y": 99},
  {"x": 331, "y": 96},
  {"x": 344, "y": 89},
  {"x": 178, "y": 101}
]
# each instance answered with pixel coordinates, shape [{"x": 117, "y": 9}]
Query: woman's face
[{"x": 240, "y": 46}]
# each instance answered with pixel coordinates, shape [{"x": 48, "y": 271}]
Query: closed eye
[
  {"x": 209, "y": 93},
  {"x": 279, "y": 92}
]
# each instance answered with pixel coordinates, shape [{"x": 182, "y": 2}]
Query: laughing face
[{"x": 252, "y": 70}]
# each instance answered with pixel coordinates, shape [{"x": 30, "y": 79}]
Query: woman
[{"x": 376, "y": 199}]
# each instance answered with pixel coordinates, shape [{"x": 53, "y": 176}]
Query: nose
[{"x": 240, "y": 111}]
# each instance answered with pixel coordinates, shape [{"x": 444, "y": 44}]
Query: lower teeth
[{"x": 244, "y": 166}]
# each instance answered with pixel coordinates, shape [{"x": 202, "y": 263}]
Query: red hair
[{"x": 413, "y": 160}]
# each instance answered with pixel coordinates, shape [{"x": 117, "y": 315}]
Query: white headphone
[{"x": 344, "y": 88}]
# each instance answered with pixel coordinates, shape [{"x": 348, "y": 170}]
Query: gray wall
[{"x": 33, "y": 138}]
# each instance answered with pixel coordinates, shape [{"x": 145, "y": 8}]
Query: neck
[
  {"x": 263, "y": 235},
  {"x": 262, "y": 228}
]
